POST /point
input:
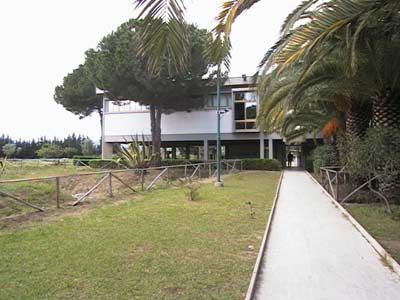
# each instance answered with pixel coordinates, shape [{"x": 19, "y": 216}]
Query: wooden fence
[
  {"x": 336, "y": 182},
  {"x": 44, "y": 193}
]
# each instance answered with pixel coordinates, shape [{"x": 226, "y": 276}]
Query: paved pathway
[{"x": 315, "y": 253}]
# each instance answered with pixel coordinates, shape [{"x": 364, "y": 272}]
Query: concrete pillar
[
  {"x": 262, "y": 154},
  {"x": 173, "y": 152},
  {"x": 270, "y": 148},
  {"x": 205, "y": 143},
  {"x": 106, "y": 150},
  {"x": 187, "y": 152}
]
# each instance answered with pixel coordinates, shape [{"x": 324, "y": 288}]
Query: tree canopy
[
  {"x": 116, "y": 67},
  {"x": 78, "y": 93}
]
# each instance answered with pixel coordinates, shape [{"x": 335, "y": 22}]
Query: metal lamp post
[{"x": 219, "y": 183}]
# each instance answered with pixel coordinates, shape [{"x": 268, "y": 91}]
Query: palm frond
[
  {"x": 229, "y": 12},
  {"x": 299, "y": 13},
  {"x": 326, "y": 20},
  {"x": 164, "y": 34}
]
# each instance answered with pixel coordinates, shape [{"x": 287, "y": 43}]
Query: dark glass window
[{"x": 245, "y": 110}]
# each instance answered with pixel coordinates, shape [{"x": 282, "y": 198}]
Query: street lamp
[{"x": 219, "y": 183}]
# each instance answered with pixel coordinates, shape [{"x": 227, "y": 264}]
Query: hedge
[
  {"x": 175, "y": 162},
  {"x": 261, "y": 164}
]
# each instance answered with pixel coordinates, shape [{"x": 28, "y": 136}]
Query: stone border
[
  {"x": 386, "y": 258},
  {"x": 257, "y": 267}
]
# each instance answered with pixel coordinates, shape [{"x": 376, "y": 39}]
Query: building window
[
  {"x": 126, "y": 106},
  {"x": 212, "y": 101},
  {"x": 245, "y": 110}
]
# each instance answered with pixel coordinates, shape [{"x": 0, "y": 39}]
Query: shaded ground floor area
[{"x": 233, "y": 146}]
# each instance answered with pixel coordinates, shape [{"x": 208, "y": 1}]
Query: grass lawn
[
  {"x": 383, "y": 227},
  {"x": 157, "y": 246},
  {"x": 31, "y": 169}
]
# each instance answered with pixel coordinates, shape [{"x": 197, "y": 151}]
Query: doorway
[{"x": 296, "y": 152}]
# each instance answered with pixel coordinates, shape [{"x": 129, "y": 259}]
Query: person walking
[{"x": 290, "y": 157}]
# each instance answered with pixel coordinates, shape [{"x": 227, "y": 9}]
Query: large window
[
  {"x": 126, "y": 106},
  {"x": 212, "y": 101},
  {"x": 245, "y": 110}
]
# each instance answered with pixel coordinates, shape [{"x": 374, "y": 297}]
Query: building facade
[{"x": 192, "y": 134}]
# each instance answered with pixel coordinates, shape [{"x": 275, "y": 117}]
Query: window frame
[{"x": 244, "y": 101}]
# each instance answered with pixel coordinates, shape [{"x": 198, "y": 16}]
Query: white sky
[{"x": 43, "y": 40}]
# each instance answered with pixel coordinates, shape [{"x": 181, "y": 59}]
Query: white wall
[{"x": 176, "y": 123}]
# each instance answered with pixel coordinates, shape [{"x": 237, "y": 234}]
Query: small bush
[
  {"x": 261, "y": 164},
  {"x": 81, "y": 160},
  {"x": 193, "y": 190},
  {"x": 376, "y": 154}
]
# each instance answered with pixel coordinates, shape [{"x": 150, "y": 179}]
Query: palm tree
[
  {"x": 326, "y": 89},
  {"x": 367, "y": 32},
  {"x": 326, "y": 24}
]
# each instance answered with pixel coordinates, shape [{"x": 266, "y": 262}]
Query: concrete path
[{"x": 315, "y": 253}]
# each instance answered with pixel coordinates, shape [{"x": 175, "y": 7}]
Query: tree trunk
[
  {"x": 358, "y": 118},
  {"x": 386, "y": 114},
  {"x": 100, "y": 112},
  {"x": 155, "y": 120},
  {"x": 386, "y": 111}
]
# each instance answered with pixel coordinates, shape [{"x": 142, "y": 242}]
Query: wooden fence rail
[
  {"x": 162, "y": 173},
  {"x": 331, "y": 178}
]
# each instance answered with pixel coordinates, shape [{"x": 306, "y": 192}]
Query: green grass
[
  {"x": 385, "y": 228},
  {"x": 31, "y": 169},
  {"x": 157, "y": 246}
]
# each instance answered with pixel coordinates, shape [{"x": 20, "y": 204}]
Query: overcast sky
[{"x": 43, "y": 40}]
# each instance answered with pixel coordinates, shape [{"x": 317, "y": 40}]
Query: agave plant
[{"x": 137, "y": 154}]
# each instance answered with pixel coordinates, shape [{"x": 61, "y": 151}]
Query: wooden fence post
[
  {"x": 167, "y": 175},
  {"x": 58, "y": 192},
  {"x": 110, "y": 191},
  {"x": 337, "y": 186},
  {"x": 142, "y": 179}
]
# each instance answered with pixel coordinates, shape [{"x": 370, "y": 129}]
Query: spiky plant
[{"x": 137, "y": 154}]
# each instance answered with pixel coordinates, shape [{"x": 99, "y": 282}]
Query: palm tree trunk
[
  {"x": 386, "y": 111},
  {"x": 386, "y": 114},
  {"x": 358, "y": 118}
]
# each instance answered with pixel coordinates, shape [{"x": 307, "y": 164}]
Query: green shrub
[
  {"x": 261, "y": 164},
  {"x": 50, "y": 151},
  {"x": 323, "y": 156},
  {"x": 309, "y": 164},
  {"x": 104, "y": 164},
  {"x": 81, "y": 160},
  {"x": 378, "y": 153}
]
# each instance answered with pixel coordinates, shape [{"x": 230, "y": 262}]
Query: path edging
[
  {"x": 386, "y": 258},
  {"x": 260, "y": 256}
]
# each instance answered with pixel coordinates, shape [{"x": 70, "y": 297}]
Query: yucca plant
[{"x": 137, "y": 154}]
